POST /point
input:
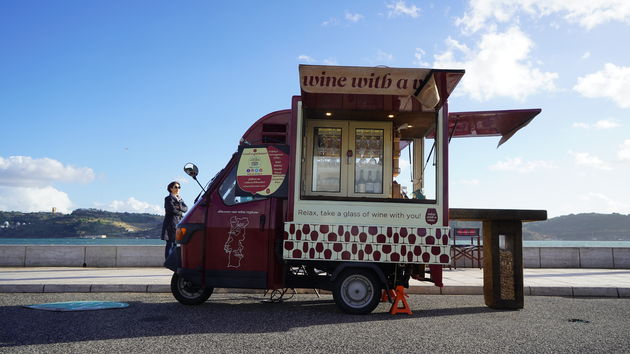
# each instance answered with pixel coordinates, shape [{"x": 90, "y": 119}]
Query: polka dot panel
[
  {"x": 367, "y": 234},
  {"x": 366, "y": 243},
  {"x": 366, "y": 253}
]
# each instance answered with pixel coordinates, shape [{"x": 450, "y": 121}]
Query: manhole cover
[{"x": 78, "y": 306}]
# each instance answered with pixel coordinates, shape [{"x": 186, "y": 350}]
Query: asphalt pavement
[
  {"x": 462, "y": 281},
  {"x": 156, "y": 323}
]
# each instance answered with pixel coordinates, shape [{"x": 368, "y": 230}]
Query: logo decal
[
  {"x": 234, "y": 244},
  {"x": 431, "y": 217}
]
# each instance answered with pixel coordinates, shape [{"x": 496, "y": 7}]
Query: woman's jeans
[{"x": 170, "y": 247}]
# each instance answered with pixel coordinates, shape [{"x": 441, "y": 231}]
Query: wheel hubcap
[
  {"x": 357, "y": 291},
  {"x": 187, "y": 289}
]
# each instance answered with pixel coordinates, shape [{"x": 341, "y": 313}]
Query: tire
[
  {"x": 357, "y": 291},
  {"x": 187, "y": 293}
]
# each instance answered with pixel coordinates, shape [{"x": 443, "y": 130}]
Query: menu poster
[{"x": 262, "y": 170}]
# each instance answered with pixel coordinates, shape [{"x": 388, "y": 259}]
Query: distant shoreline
[
  {"x": 75, "y": 241},
  {"x": 126, "y": 241}
]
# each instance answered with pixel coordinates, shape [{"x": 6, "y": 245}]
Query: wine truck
[{"x": 346, "y": 191}]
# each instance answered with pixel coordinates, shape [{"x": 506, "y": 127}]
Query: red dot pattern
[{"x": 387, "y": 244}]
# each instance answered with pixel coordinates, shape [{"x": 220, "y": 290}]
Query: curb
[{"x": 607, "y": 292}]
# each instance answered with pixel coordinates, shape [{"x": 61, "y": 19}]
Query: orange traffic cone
[
  {"x": 385, "y": 298},
  {"x": 400, "y": 296}
]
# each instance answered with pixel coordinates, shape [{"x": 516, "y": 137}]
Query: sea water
[
  {"x": 615, "y": 244},
  {"x": 83, "y": 241}
]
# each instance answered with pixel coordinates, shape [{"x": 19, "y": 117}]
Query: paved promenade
[{"x": 463, "y": 281}]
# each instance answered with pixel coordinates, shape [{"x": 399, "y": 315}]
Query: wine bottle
[
  {"x": 360, "y": 187},
  {"x": 378, "y": 183},
  {"x": 369, "y": 185}
]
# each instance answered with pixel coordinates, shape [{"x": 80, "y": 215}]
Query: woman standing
[{"x": 174, "y": 208}]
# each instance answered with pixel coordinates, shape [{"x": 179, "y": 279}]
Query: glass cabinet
[
  {"x": 348, "y": 158},
  {"x": 368, "y": 161},
  {"x": 327, "y": 143}
]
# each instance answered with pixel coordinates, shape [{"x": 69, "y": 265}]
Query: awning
[
  {"x": 490, "y": 123},
  {"x": 430, "y": 87}
]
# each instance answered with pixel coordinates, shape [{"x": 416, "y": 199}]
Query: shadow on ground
[{"x": 226, "y": 313}]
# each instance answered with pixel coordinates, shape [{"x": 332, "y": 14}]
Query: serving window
[
  {"x": 347, "y": 159},
  {"x": 416, "y": 169},
  {"x": 360, "y": 155}
]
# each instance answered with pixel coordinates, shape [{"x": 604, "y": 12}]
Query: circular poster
[{"x": 262, "y": 170}]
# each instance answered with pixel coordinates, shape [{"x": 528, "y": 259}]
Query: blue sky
[{"x": 103, "y": 102}]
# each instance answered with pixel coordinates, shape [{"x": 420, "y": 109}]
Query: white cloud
[
  {"x": 310, "y": 60},
  {"x": 306, "y": 59},
  {"x": 400, "y": 8},
  {"x": 25, "y": 183},
  {"x": 383, "y": 57},
  {"x": 469, "y": 182},
  {"x": 34, "y": 199},
  {"x": 518, "y": 165},
  {"x": 353, "y": 17},
  {"x": 600, "y": 125},
  {"x": 404, "y": 176},
  {"x": 132, "y": 205},
  {"x": 612, "y": 82},
  {"x": 604, "y": 204},
  {"x": 500, "y": 65},
  {"x": 483, "y": 14},
  {"x": 606, "y": 124},
  {"x": 587, "y": 160},
  {"x": 586, "y": 55},
  {"x": 624, "y": 151},
  {"x": 419, "y": 58},
  {"x": 26, "y": 171},
  {"x": 581, "y": 125},
  {"x": 332, "y": 21},
  {"x": 349, "y": 17}
]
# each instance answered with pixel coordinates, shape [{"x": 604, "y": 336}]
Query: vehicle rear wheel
[
  {"x": 356, "y": 291},
  {"x": 188, "y": 293}
]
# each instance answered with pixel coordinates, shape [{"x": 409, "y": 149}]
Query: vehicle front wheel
[
  {"x": 188, "y": 293},
  {"x": 356, "y": 291}
]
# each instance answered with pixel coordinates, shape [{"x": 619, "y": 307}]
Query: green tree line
[{"x": 81, "y": 222}]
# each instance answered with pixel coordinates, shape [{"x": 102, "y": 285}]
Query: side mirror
[{"x": 191, "y": 170}]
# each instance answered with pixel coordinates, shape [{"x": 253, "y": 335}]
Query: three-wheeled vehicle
[{"x": 314, "y": 197}]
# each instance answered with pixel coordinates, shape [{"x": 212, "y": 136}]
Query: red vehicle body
[{"x": 310, "y": 199}]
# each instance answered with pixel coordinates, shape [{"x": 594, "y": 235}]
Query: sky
[{"x": 103, "y": 102}]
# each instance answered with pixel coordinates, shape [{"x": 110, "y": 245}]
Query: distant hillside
[
  {"x": 92, "y": 222},
  {"x": 580, "y": 227},
  {"x": 81, "y": 222},
  {"x": 574, "y": 227}
]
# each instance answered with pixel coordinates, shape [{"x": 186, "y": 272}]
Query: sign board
[
  {"x": 364, "y": 213},
  {"x": 370, "y": 80},
  {"x": 469, "y": 231},
  {"x": 262, "y": 170}
]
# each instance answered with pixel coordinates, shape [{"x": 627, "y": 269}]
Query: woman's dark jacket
[{"x": 174, "y": 210}]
